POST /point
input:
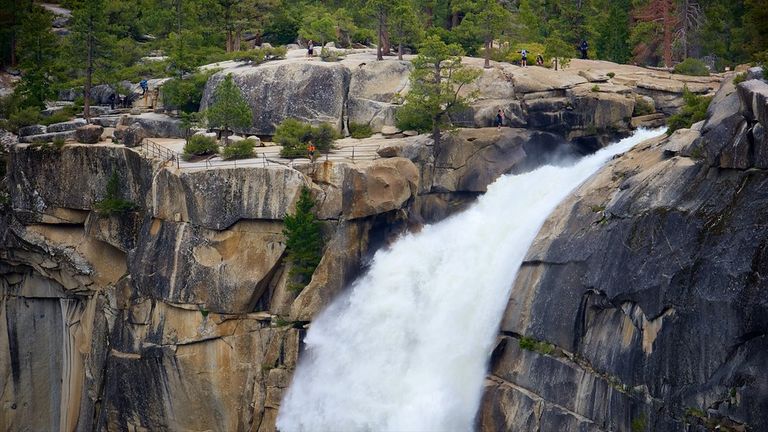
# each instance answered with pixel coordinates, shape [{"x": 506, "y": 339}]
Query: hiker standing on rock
[
  {"x": 144, "y": 86},
  {"x": 583, "y": 48},
  {"x": 310, "y": 48},
  {"x": 499, "y": 119},
  {"x": 524, "y": 57}
]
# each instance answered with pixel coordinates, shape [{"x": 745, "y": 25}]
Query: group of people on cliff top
[{"x": 583, "y": 47}]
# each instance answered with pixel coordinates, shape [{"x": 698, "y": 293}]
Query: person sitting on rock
[
  {"x": 539, "y": 60},
  {"x": 499, "y": 119}
]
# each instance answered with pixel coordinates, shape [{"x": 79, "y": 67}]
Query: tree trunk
[
  {"x": 236, "y": 41},
  {"x": 386, "y": 45},
  {"x": 400, "y": 51},
  {"x": 379, "y": 46},
  {"x": 436, "y": 134},
  {"x": 430, "y": 16},
  {"x": 667, "y": 23},
  {"x": 488, "y": 44},
  {"x": 88, "y": 71}
]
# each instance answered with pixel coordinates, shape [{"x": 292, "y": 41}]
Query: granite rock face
[
  {"x": 312, "y": 92},
  {"x": 643, "y": 290}
]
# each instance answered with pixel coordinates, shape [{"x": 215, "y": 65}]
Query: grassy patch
[
  {"x": 360, "y": 130},
  {"x": 535, "y": 345}
]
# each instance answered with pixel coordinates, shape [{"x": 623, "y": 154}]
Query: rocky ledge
[{"x": 588, "y": 99}]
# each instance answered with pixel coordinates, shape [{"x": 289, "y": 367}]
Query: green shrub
[
  {"x": 57, "y": 117},
  {"x": 360, "y": 130},
  {"x": 200, "y": 145},
  {"x": 692, "y": 66},
  {"x": 595, "y": 88},
  {"x": 24, "y": 117},
  {"x": 242, "y": 149},
  {"x": 740, "y": 78},
  {"x": 259, "y": 55},
  {"x": 412, "y": 117},
  {"x": 112, "y": 202},
  {"x": 303, "y": 241},
  {"x": 59, "y": 142},
  {"x": 327, "y": 55},
  {"x": 642, "y": 107},
  {"x": 694, "y": 110},
  {"x": 185, "y": 93},
  {"x": 611, "y": 75},
  {"x": 538, "y": 346},
  {"x": 295, "y": 137}
]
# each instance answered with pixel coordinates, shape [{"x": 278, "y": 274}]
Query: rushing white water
[{"x": 406, "y": 348}]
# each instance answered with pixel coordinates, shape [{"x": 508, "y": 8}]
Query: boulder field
[{"x": 587, "y": 99}]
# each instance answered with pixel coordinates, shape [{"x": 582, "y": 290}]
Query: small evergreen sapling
[
  {"x": 303, "y": 241},
  {"x": 112, "y": 202}
]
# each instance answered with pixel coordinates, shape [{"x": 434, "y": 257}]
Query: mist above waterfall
[{"x": 406, "y": 347}]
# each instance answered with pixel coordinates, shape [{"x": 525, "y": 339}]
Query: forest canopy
[{"x": 180, "y": 35}]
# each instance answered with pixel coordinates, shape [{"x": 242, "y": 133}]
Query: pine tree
[
  {"x": 37, "y": 53},
  {"x": 660, "y": 17},
  {"x": 303, "y": 241},
  {"x": 555, "y": 47},
  {"x": 484, "y": 19},
  {"x": 229, "y": 109},
  {"x": 404, "y": 24},
  {"x": 436, "y": 81},
  {"x": 92, "y": 43}
]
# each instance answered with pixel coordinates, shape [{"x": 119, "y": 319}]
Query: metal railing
[{"x": 155, "y": 150}]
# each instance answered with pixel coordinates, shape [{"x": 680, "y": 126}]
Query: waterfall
[{"x": 406, "y": 347}]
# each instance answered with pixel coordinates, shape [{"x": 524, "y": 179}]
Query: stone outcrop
[
  {"x": 583, "y": 102},
  {"x": 312, "y": 92},
  {"x": 639, "y": 298}
]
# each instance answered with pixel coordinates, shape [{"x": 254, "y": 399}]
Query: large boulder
[
  {"x": 313, "y": 92},
  {"x": 32, "y": 130},
  {"x": 363, "y": 189},
  {"x": 373, "y": 88},
  {"x": 155, "y": 125},
  {"x": 89, "y": 134},
  {"x": 67, "y": 126},
  {"x": 130, "y": 136}
]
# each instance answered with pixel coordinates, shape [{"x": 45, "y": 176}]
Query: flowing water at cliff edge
[{"x": 406, "y": 348}]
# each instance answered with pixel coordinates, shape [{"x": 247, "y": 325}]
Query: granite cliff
[
  {"x": 641, "y": 304},
  {"x": 642, "y": 292}
]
